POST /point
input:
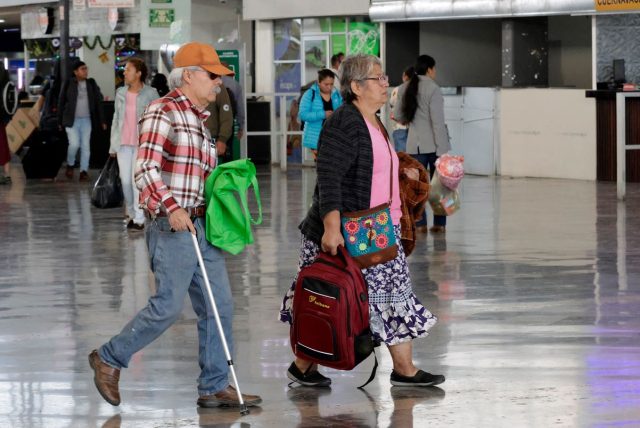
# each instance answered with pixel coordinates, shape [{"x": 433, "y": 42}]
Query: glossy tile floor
[{"x": 536, "y": 283}]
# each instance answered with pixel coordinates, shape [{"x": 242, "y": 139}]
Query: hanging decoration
[{"x": 97, "y": 41}]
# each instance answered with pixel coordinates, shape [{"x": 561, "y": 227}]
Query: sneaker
[
  {"x": 438, "y": 229},
  {"x": 310, "y": 378},
  {"x": 69, "y": 172},
  {"x": 422, "y": 229},
  {"x": 419, "y": 379},
  {"x": 84, "y": 176}
]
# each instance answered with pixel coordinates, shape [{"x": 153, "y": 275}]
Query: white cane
[{"x": 243, "y": 407}]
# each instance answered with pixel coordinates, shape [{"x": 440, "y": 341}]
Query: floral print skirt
[{"x": 395, "y": 313}]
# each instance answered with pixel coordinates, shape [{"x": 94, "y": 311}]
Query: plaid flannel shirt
[{"x": 175, "y": 154}]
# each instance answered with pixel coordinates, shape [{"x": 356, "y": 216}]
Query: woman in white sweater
[{"x": 130, "y": 102}]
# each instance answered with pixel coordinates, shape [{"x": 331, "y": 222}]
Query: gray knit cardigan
[{"x": 344, "y": 169}]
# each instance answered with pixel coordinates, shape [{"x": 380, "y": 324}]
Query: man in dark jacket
[{"x": 79, "y": 108}]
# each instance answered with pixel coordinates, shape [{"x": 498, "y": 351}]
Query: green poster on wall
[
  {"x": 161, "y": 17},
  {"x": 364, "y": 37},
  {"x": 231, "y": 57}
]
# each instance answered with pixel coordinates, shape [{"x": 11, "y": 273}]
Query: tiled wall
[{"x": 618, "y": 38}]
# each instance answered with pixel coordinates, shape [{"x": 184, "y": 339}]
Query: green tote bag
[{"x": 228, "y": 222}]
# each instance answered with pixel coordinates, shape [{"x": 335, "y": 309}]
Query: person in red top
[{"x": 175, "y": 156}]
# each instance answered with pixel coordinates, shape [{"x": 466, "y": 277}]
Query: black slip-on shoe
[
  {"x": 419, "y": 379},
  {"x": 313, "y": 378}
]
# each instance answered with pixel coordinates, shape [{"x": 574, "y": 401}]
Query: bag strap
[
  {"x": 373, "y": 370},
  {"x": 247, "y": 214},
  {"x": 256, "y": 193},
  {"x": 386, "y": 138}
]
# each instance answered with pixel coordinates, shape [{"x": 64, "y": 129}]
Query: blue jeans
[
  {"x": 79, "y": 138},
  {"x": 400, "y": 139},
  {"x": 175, "y": 266},
  {"x": 428, "y": 160}
]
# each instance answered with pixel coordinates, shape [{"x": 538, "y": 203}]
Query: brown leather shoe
[
  {"x": 437, "y": 229},
  {"x": 228, "y": 397},
  {"x": 84, "y": 176},
  {"x": 106, "y": 379},
  {"x": 69, "y": 172}
]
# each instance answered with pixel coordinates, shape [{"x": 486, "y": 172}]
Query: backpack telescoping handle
[{"x": 243, "y": 407}]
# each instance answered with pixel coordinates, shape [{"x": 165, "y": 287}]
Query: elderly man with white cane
[{"x": 175, "y": 157}]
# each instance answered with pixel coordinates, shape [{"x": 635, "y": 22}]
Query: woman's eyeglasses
[{"x": 381, "y": 79}]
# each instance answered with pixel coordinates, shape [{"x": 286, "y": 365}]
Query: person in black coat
[{"x": 79, "y": 109}]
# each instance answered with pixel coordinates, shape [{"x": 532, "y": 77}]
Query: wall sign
[
  {"x": 45, "y": 19},
  {"x": 617, "y": 5},
  {"x": 161, "y": 17},
  {"x": 113, "y": 17},
  {"x": 112, "y": 3},
  {"x": 232, "y": 58}
]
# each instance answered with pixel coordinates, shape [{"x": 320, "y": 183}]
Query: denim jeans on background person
[
  {"x": 127, "y": 163},
  {"x": 428, "y": 160},
  {"x": 175, "y": 266},
  {"x": 79, "y": 136},
  {"x": 400, "y": 139}
]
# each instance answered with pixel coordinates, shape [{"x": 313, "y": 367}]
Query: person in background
[
  {"x": 317, "y": 105},
  {"x": 400, "y": 130},
  {"x": 336, "y": 60},
  {"x": 175, "y": 157},
  {"x": 79, "y": 109},
  {"x": 130, "y": 102},
  {"x": 236, "y": 96},
  {"x": 220, "y": 122},
  {"x": 5, "y": 153},
  {"x": 159, "y": 82},
  {"x": 421, "y": 106},
  {"x": 354, "y": 169}
]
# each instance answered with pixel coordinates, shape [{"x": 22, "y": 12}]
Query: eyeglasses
[
  {"x": 381, "y": 79},
  {"x": 212, "y": 76}
]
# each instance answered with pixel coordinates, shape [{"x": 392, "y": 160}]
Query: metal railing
[
  {"x": 621, "y": 141},
  {"x": 278, "y": 126}
]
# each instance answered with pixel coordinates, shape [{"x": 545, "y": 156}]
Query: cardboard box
[
  {"x": 23, "y": 123},
  {"x": 14, "y": 138},
  {"x": 34, "y": 115},
  {"x": 34, "y": 112}
]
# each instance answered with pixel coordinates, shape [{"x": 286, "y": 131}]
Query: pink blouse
[
  {"x": 130, "y": 124},
  {"x": 381, "y": 171}
]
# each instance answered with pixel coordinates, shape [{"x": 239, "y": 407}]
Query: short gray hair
[
  {"x": 175, "y": 78},
  {"x": 355, "y": 68}
]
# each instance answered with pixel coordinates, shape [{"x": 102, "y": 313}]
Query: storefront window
[
  {"x": 338, "y": 44},
  {"x": 338, "y": 25},
  {"x": 364, "y": 37},
  {"x": 316, "y": 25},
  {"x": 287, "y": 40},
  {"x": 288, "y": 77}
]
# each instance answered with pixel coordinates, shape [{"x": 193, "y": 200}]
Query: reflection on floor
[{"x": 536, "y": 284}]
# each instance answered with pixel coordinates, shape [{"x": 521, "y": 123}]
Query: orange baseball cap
[{"x": 201, "y": 55}]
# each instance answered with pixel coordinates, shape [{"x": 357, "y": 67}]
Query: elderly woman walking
[{"x": 354, "y": 163}]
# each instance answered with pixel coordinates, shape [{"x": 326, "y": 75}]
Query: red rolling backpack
[{"x": 331, "y": 313}]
